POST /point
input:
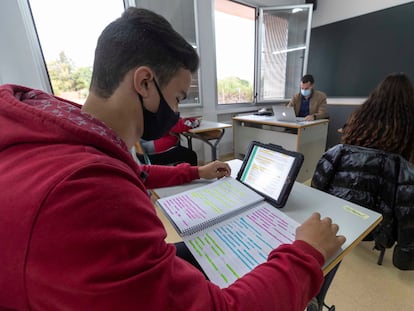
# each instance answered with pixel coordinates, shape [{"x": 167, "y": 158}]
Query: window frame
[
  {"x": 37, "y": 48},
  {"x": 196, "y": 44},
  {"x": 259, "y": 41},
  {"x": 257, "y": 56},
  {"x": 41, "y": 63},
  {"x": 225, "y": 106}
]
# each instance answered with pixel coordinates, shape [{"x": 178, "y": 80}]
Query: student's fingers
[
  {"x": 321, "y": 234},
  {"x": 341, "y": 239},
  {"x": 216, "y": 169},
  {"x": 223, "y": 170}
]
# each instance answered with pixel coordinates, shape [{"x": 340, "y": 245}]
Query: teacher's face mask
[
  {"x": 156, "y": 124},
  {"x": 306, "y": 92}
]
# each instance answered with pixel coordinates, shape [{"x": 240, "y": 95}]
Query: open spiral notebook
[{"x": 231, "y": 225}]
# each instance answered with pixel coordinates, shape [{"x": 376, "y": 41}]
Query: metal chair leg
[{"x": 381, "y": 256}]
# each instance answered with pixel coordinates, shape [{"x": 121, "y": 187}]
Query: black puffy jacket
[{"x": 380, "y": 181}]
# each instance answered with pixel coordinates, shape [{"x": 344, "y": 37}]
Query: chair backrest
[{"x": 173, "y": 156}]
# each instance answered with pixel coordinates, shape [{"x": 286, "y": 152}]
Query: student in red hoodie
[
  {"x": 167, "y": 149},
  {"x": 77, "y": 228}
]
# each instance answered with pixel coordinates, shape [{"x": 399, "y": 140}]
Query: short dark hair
[
  {"x": 308, "y": 78},
  {"x": 139, "y": 38}
]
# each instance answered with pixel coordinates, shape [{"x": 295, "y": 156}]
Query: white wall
[{"x": 329, "y": 11}]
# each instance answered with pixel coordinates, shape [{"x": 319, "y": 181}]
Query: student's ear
[{"x": 142, "y": 76}]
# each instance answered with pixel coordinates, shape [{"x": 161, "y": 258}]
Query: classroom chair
[{"x": 380, "y": 181}]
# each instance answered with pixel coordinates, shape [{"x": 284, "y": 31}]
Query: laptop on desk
[{"x": 286, "y": 114}]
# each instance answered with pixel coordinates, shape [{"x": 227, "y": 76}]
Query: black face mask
[{"x": 156, "y": 124}]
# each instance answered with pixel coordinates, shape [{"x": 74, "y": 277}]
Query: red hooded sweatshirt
[{"x": 79, "y": 232}]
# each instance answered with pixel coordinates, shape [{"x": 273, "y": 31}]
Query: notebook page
[
  {"x": 200, "y": 207},
  {"x": 229, "y": 250}
]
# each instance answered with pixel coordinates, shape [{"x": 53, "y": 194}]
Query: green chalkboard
[{"x": 349, "y": 58}]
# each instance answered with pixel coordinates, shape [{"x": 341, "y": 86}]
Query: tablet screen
[{"x": 267, "y": 171}]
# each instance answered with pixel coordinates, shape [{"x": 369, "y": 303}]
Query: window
[
  {"x": 263, "y": 60},
  {"x": 284, "y": 40},
  {"x": 235, "y": 46},
  {"x": 180, "y": 13},
  {"x": 68, "y": 37}
]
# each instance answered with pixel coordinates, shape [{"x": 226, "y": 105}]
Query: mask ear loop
[
  {"x": 141, "y": 99},
  {"x": 158, "y": 88},
  {"x": 163, "y": 98},
  {"x": 146, "y": 158},
  {"x": 161, "y": 95}
]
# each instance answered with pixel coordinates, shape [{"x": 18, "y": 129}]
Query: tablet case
[{"x": 280, "y": 201}]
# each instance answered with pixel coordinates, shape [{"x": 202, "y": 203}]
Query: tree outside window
[{"x": 68, "y": 40}]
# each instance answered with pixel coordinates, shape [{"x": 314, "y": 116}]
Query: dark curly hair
[{"x": 385, "y": 121}]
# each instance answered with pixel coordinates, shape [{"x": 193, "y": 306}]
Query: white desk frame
[
  {"x": 308, "y": 138},
  {"x": 355, "y": 221}
]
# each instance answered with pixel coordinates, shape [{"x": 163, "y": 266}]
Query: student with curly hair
[
  {"x": 372, "y": 166},
  {"x": 385, "y": 120}
]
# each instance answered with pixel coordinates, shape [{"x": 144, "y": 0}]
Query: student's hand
[
  {"x": 321, "y": 234},
  {"x": 216, "y": 169}
]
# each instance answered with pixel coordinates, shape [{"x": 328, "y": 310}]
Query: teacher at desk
[{"x": 309, "y": 103}]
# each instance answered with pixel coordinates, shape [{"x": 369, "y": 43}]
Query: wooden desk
[
  {"x": 208, "y": 131},
  {"x": 308, "y": 138},
  {"x": 355, "y": 222}
]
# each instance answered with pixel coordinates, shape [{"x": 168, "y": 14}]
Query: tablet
[{"x": 271, "y": 171}]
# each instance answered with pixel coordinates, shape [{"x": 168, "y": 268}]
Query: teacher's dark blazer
[{"x": 317, "y": 105}]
